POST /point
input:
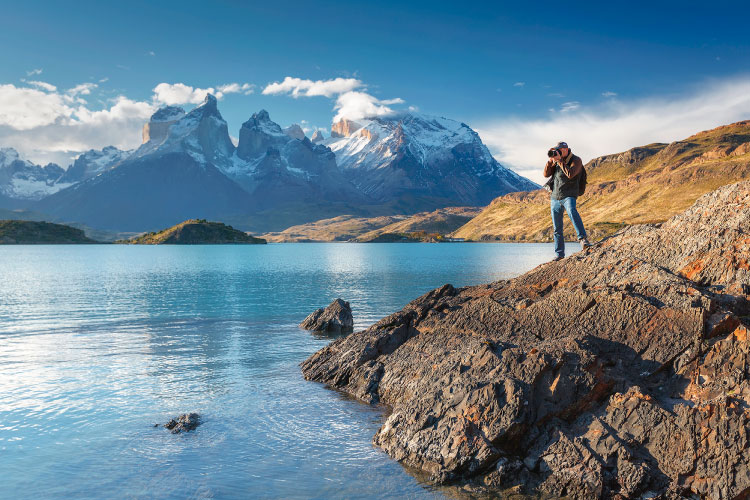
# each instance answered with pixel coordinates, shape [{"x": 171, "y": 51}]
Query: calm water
[{"x": 99, "y": 343}]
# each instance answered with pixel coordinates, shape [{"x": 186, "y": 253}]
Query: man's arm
[
  {"x": 549, "y": 168},
  {"x": 574, "y": 169}
]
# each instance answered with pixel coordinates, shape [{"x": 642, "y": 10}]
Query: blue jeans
[{"x": 557, "y": 206}]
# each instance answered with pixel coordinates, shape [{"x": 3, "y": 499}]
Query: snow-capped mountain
[
  {"x": 93, "y": 162},
  {"x": 176, "y": 174},
  {"x": 276, "y": 167},
  {"x": 23, "y": 180},
  {"x": 419, "y": 155},
  {"x": 202, "y": 133}
]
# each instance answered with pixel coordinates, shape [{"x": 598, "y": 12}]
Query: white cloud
[
  {"x": 23, "y": 108},
  {"x": 54, "y": 126},
  {"x": 81, "y": 89},
  {"x": 105, "y": 79},
  {"x": 519, "y": 84},
  {"x": 179, "y": 93},
  {"x": 34, "y": 72},
  {"x": 297, "y": 87},
  {"x": 236, "y": 88},
  {"x": 569, "y": 106},
  {"x": 616, "y": 126},
  {"x": 151, "y": 53},
  {"x": 350, "y": 103},
  {"x": 609, "y": 94},
  {"x": 359, "y": 105},
  {"x": 43, "y": 85}
]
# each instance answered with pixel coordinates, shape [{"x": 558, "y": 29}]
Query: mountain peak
[
  {"x": 295, "y": 131},
  {"x": 344, "y": 128},
  {"x": 317, "y": 136},
  {"x": 167, "y": 114}
]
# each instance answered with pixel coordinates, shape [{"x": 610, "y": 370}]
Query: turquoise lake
[{"x": 99, "y": 343}]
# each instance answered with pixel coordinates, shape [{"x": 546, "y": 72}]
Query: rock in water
[
  {"x": 336, "y": 318},
  {"x": 186, "y": 422},
  {"x": 619, "y": 372}
]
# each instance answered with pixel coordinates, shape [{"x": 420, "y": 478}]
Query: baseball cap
[{"x": 561, "y": 144}]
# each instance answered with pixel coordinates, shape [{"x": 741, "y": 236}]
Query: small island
[
  {"x": 29, "y": 232},
  {"x": 196, "y": 232}
]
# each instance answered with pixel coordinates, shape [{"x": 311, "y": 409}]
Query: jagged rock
[
  {"x": 619, "y": 372},
  {"x": 295, "y": 132},
  {"x": 317, "y": 136},
  {"x": 344, "y": 128},
  {"x": 335, "y": 318},
  {"x": 184, "y": 423}
]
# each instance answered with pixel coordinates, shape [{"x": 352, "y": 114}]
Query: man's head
[{"x": 563, "y": 147}]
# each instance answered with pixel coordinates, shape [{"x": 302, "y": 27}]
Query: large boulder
[
  {"x": 620, "y": 372},
  {"x": 336, "y": 318}
]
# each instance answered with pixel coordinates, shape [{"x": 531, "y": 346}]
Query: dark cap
[{"x": 561, "y": 144}]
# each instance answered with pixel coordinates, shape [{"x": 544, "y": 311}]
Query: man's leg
[
  {"x": 557, "y": 224},
  {"x": 575, "y": 218}
]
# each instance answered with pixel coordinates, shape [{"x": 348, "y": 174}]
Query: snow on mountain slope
[
  {"x": 23, "y": 180},
  {"x": 202, "y": 133},
  {"x": 93, "y": 162},
  {"x": 387, "y": 157}
]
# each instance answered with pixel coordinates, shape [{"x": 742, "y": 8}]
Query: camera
[{"x": 553, "y": 152}]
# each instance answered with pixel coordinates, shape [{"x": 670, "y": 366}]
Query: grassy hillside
[
  {"x": 647, "y": 184},
  {"x": 383, "y": 228},
  {"x": 195, "y": 232},
  {"x": 25, "y": 232},
  {"x": 427, "y": 226}
]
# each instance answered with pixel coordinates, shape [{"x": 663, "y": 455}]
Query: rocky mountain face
[
  {"x": 295, "y": 132},
  {"x": 277, "y": 168},
  {"x": 414, "y": 156},
  {"x": 619, "y": 372},
  {"x": 92, "y": 163},
  {"x": 317, "y": 137},
  {"x": 645, "y": 184},
  {"x": 173, "y": 176}
]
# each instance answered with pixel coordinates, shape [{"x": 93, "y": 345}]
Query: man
[{"x": 565, "y": 169}]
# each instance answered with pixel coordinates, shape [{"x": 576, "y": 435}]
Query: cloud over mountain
[{"x": 350, "y": 103}]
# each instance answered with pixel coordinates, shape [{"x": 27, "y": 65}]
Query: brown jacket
[{"x": 571, "y": 166}]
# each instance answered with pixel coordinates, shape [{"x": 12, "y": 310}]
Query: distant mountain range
[{"x": 188, "y": 167}]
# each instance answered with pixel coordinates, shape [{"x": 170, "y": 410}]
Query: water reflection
[{"x": 98, "y": 343}]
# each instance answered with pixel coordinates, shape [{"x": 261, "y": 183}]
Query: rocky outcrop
[
  {"x": 619, "y": 372},
  {"x": 344, "y": 128},
  {"x": 295, "y": 132},
  {"x": 184, "y": 423},
  {"x": 336, "y": 318},
  {"x": 317, "y": 137}
]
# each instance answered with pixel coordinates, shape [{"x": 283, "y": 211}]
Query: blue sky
[{"x": 491, "y": 65}]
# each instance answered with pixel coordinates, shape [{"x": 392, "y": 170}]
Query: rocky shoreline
[{"x": 621, "y": 372}]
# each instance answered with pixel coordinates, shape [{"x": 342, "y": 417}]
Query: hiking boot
[
  {"x": 585, "y": 243},
  {"x": 557, "y": 258}
]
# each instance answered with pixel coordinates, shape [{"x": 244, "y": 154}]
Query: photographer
[{"x": 565, "y": 169}]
